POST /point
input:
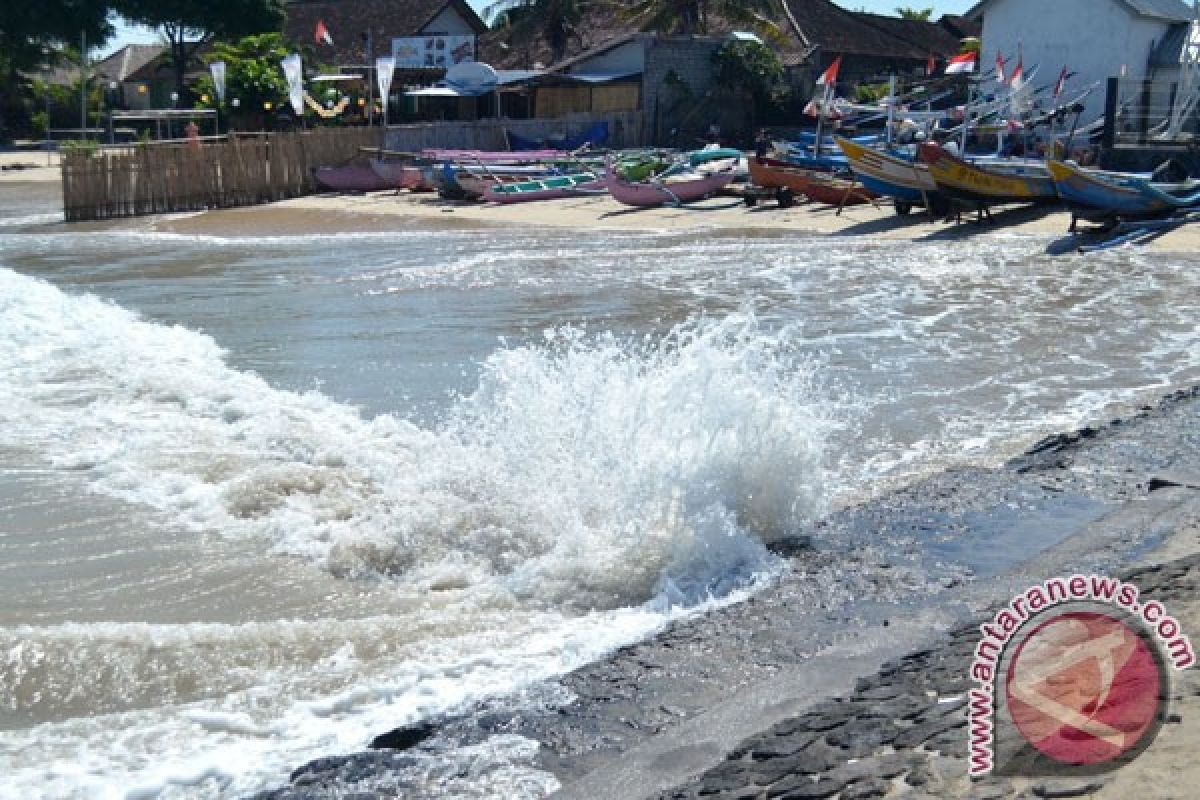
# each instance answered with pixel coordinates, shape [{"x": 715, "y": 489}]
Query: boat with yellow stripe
[{"x": 988, "y": 182}]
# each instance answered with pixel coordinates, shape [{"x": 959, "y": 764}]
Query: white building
[{"x": 1095, "y": 39}]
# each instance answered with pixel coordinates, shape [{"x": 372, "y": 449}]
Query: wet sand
[{"x": 722, "y": 214}]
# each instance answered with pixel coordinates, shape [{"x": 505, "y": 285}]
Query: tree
[
  {"x": 556, "y": 21},
  {"x": 189, "y": 25},
  {"x": 752, "y": 70},
  {"x": 36, "y": 33},
  {"x": 252, "y": 75},
  {"x": 923, "y": 15},
  {"x": 691, "y": 16}
]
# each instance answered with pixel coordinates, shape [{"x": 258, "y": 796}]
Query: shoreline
[{"x": 741, "y": 702}]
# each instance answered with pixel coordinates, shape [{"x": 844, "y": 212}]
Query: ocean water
[{"x": 272, "y": 483}]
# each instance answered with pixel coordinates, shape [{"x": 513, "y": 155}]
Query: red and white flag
[
  {"x": 1018, "y": 76},
  {"x": 829, "y": 76},
  {"x": 963, "y": 62},
  {"x": 321, "y": 34},
  {"x": 1062, "y": 81},
  {"x": 999, "y": 67}
]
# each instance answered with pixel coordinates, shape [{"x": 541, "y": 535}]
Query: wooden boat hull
[
  {"x": 889, "y": 175},
  {"x": 648, "y": 195},
  {"x": 350, "y": 178},
  {"x": 401, "y": 176},
  {"x": 1093, "y": 194},
  {"x": 985, "y": 185},
  {"x": 544, "y": 189},
  {"x": 816, "y": 186}
]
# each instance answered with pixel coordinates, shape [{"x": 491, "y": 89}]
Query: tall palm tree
[
  {"x": 692, "y": 16},
  {"x": 557, "y": 21}
]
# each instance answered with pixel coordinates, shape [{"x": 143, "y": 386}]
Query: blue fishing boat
[
  {"x": 1101, "y": 196},
  {"x": 906, "y": 180}
]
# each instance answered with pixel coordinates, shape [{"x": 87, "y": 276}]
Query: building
[
  {"x": 611, "y": 65},
  {"x": 1095, "y": 39}
]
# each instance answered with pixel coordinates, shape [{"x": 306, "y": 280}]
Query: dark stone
[
  {"x": 778, "y": 746},
  {"x": 791, "y": 546},
  {"x": 403, "y": 738},
  {"x": 817, "y": 757},
  {"x": 803, "y": 787},
  {"x": 859, "y": 737},
  {"x": 1057, "y": 789},
  {"x": 920, "y": 733},
  {"x": 866, "y": 790}
]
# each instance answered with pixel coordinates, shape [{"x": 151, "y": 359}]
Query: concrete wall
[
  {"x": 1093, "y": 38},
  {"x": 627, "y": 58},
  {"x": 448, "y": 22},
  {"x": 626, "y": 129},
  {"x": 678, "y": 91}
]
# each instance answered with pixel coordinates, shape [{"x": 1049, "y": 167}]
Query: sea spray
[{"x": 587, "y": 471}]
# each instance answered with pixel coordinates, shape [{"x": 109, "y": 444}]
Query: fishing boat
[
  {"x": 820, "y": 187},
  {"x": 402, "y": 176},
  {"x": 351, "y": 178},
  {"x": 1101, "y": 196},
  {"x": 547, "y": 188},
  {"x": 671, "y": 190},
  {"x": 987, "y": 182},
  {"x": 906, "y": 181}
]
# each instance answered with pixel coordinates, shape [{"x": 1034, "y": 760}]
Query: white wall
[
  {"x": 448, "y": 21},
  {"x": 1093, "y": 38},
  {"x": 628, "y": 58}
]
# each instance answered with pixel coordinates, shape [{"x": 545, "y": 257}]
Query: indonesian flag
[
  {"x": 829, "y": 76},
  {"x": 1062, "y": 81},
  {"x": 963, "y": 62},
  {"x": 1018, "y": 77},
  {"x": 999, "y": 67},
  {"x": 321, "y": 34}
]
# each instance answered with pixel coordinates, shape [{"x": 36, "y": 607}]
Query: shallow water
[{"x": 268, "y": 488}]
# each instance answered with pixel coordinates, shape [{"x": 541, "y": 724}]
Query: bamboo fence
[{"x": 193, "y": 176}]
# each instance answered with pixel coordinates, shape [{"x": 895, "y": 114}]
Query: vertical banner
[
  {"x": 293, "y": 71},
  {"x": 217, "y": 68},
  {"x": 385, "y": 66}
]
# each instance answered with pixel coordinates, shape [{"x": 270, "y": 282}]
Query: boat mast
[{"x": 1189, "y": 66}]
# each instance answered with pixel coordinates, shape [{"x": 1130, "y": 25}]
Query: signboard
[{"x": 433, "y": 51}]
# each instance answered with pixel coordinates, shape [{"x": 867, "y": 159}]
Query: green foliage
[
  {"x": 691, "y": 16},
  {"x": 556, "y": 21},
  {"x": 870, "y": 92},
  {"x": 923, "y": 14},
  {"x": 40, "y": 122},
  {"x": 187, "y": 25},
  {"x": 252, "y": 75},
  {"x": 754, "y": 69},
  {"x": 79, "y": 147}
]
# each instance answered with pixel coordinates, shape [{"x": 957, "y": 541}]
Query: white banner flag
[
  {"x": 293, "y": 71},
  {"x": 217, "y": 68},
  {"x": 385, "y": 66}
]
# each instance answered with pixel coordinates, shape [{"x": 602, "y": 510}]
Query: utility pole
[
  {"x": 370, "y": 78},
  {"x": 83, "y": 81}
]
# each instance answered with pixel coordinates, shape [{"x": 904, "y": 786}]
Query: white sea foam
[{"x": 588, "y": 471}]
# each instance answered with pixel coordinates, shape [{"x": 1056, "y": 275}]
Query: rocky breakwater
[{"x": 803, "y": 690}]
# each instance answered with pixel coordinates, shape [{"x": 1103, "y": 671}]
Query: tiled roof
[
  {"x": 930, "y": 37},
  {"x": 822, "y": 24},
  {"x": 125, "y": 62},
  {"x": 349, "y": 20}
]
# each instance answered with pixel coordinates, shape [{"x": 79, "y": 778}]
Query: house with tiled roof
[
  {"x": 1095, "y": 39},
  {"x": 353, "y": 26}
]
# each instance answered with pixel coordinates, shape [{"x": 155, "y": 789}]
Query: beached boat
[
  {"x": 983, "y": 183},
  {"x": 820, "y": 187},
  {"x": 1112, "y": 196},
  {"x": 496, "y": 156},
  {"x": 351, "y": 178},
  {"x": 403, "y": 176},
  {"x": 906, "y": 181},
  {"x": 673, "y": 190},
  {"x": 547, "y": 188}
]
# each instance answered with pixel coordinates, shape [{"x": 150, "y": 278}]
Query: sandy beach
[
  {"x": 722, "y": 214},
  {"x": 603, "y": 213}
]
